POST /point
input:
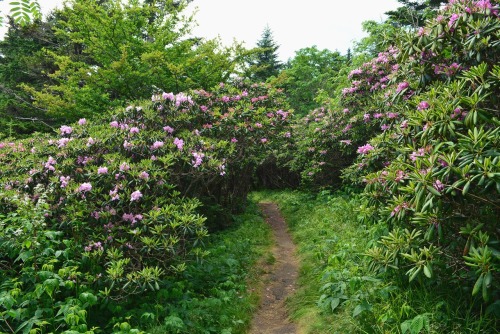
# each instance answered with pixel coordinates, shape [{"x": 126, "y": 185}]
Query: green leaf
[
  {"x": 334, "y": 303},
  {"x": 478, "y": 285},
  {"x": 428, "y": 271}
]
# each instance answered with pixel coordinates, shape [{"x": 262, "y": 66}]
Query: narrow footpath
[{"x": 280, "y": 279}]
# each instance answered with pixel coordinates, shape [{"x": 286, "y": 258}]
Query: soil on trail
[{"x": 279, "y": 280}]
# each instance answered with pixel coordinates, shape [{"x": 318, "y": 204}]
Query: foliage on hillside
[
  {"x": 92, "y": 56},
  {"x": 111, "y": 208},
  {"x": 419, "y": 125}
]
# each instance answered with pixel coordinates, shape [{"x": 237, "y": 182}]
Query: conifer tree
[
  {"x": 414, "y": 12},
  {"x": 266, "y": 63}
]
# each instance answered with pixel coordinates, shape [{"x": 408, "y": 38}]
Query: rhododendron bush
[
  {"x": 423, "y": 120},
  {"x": 112, "y": 208}
]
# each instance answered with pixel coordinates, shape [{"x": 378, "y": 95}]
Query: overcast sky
[{"x": 328, "y": 24}]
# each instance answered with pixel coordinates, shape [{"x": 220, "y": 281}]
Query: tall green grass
[{"x": 217, "y": 295}]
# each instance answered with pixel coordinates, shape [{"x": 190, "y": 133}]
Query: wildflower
[
  {"x": 62, "y": 142},
  {"x": 168, "y": 96},
  {"x": 419, "y": 153},
  {"x": 64, "y": 181},
  {"x": 438, "y": 185},
  {"x": 66, "y": 130},
  {"x": 84, "y": 187},
  {"x": 402, "y": 86},
  {"x": 179, "y": 143},
  {"x": 453, "y": 19},
  {"x": 114, "y": 194},
  {"x": 198, "y": 159},
  {"x": 124, "y": 167},
  {"x": 135, "y": 196},
  {"x": 50, "y": 164},
  {"x": 102, "y": 170},
  {"x": 365, "y": 149},
  {"x": 423, "y": 105},
  {"x": 156, "y": 145}
]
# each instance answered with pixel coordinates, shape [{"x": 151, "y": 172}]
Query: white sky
[{"x": 328, "y": 24}]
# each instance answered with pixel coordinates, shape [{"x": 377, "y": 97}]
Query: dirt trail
[{"x": 279, "y": 280}]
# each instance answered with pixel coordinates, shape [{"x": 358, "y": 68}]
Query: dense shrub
[
  {"x": 111, "y": 208},
  {"x": 423, "y": 118}
]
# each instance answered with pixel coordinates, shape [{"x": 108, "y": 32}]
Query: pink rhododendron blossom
[
  {"x": 366, "y": 117},
  {"x": 168, "y": 96},
  {"x": 263, "y": 140},
  {"x": 346, "y": 142},
  {"x": 385, "y": 127},
  {"x": 423, "y": 105},
  {"x": 365, "y": 149},
  {"x": 392, "y": 115},
  {"x": 400, "y": 175},
  {"x": 124, "y": 167},
  {"x": 398, "y": 208},
  {"x": 244, "y": 93},
  {"x": 404, "y": 124},
  {"x": 64, "y": 181},
  {"x": 85, "y": 187},
  {"x": 346, "y": 111},
  {"x": 90, "y": 141},
  {"x": 179, "y": 143},
  {"x": 66, "y": 130},
  {"x": 402, "y": 86},
  {"x": 114, "y": 194},
  {"x": 198, "y": 159},
  {"x": 168, "y": 129},
  {"x": 127, "y": 144},
  {"x": 144, "y": 175},
  {"x": 62, "y": 142},
  {"x": 134, "y": 130},
  {"x": 234, "y": 140},
  {"x": 135, "y": 196},
  {"x": 203, "y": 108},
  {"x": 50, "y": 164},
  {"x": 420, "y": 153},
  {"x": 157, "y": 144},
  {"x": 82, "y": 121},
  {"x": 114, "y": 124},
  {"x": 438, "y": 185},
  {"x": 102, "y": 170},
  {"x": 453, "y": 19}
]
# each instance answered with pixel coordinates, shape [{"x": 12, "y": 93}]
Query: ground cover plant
[{"x": 112, "y": 208}]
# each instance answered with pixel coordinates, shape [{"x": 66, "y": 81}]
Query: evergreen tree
[
  {"x": 266, "y": 63},
  {"x": 414, "y": 13}
]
